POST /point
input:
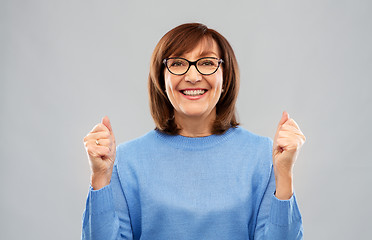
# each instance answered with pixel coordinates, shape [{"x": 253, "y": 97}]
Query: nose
[{"x": 192, "y": 75}]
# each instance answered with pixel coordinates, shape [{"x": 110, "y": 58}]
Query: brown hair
[{"x": 180, "y": 40}]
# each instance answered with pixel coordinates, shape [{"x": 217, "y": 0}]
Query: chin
[{"x": 194, "y": 112}]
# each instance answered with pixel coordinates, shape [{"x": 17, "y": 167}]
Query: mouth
[{"x": 193, "y": 92}]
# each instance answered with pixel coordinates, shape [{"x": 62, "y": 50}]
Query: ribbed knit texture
[{"x": 176, "y": 187}]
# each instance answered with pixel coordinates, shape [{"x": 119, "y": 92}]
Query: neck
[{"x": 195, "y": 126}]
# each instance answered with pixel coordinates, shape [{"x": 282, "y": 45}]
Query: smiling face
[{"x": 194, "y": 95}]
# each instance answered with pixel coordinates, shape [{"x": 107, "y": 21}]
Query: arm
[
  {"x": 279, "y": 216},
  {"x": 286, "y": 146},
  {"x": 106, "y": 214},
  {"x": 278, "y": 219}
]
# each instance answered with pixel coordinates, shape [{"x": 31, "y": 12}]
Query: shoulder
[
  {"x": 258, "y": 150},
  {"x": 130, "y": 153},
  {"x": 251, "y": 138},
  {"x": 136, "y": 144},
  {"x": 136, "y": 148}
]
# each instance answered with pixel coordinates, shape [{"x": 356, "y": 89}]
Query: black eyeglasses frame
[{"x": 192, "y": 63}]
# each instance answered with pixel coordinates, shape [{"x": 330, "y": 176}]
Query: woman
[{"x": 198, "y": 175}]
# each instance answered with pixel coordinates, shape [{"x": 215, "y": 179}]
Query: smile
[{"x": 196, "y": 92}]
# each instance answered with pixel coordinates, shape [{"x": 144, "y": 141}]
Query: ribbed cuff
[
  {"x": 284, "y": 212},
  {"x": 101, "y": 200}
]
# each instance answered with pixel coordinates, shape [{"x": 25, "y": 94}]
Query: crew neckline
[{"x": 195, "y": 143}]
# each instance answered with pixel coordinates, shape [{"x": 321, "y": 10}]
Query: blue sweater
[{"x": 175, "y": 187}]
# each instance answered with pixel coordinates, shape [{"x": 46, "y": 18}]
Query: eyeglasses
[{"x": 180, "y": 66}]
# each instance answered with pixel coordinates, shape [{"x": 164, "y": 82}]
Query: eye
[
  {"x": 207, "y": 62},
  {"x": 177, "y": 63}
]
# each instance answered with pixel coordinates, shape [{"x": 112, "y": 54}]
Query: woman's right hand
[{"x": 102, "y": 155}]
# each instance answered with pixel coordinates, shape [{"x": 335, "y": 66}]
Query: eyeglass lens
[{"x": 180, "y": 66}]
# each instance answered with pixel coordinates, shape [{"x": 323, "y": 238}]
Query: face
[{"x": 181, "y": 88}]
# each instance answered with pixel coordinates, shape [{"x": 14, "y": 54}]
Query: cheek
[
  {"x": 170, "y": 84},
  {"x": 167, "y": 81},
  {"x": 218, "y": 81},
  {"x": 216, "y": 84}
]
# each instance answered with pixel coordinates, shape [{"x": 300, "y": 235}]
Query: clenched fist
[
  {"x": 287, "y": 143},
  {"x": 101, "y": 149}
]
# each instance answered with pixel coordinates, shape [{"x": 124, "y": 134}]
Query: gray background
[{"x": 66, "y": 64}]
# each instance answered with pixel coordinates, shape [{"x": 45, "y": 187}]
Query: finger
[
  {"x": 103, "y": 139},
  {"x": 290, "y": 132},
  {"x": 106, "y": 122},
  {"x": 289, "y": 144},
  {"x": 284, "y": 118},
  {"x": 293, "y": 127},
  {"x": 104, "y": 143},
  {"x": 100, "y": 128},
  {"x": 293, "y": 135},
  {"x": 99, "y": 142},
  {"x": 98, "y": 135},
  {"x": 289, "y": 128},
  {"x": 292, "y": 122},
  {"x": 98, "y": 151},
  {"x": 285, "y": 145}
]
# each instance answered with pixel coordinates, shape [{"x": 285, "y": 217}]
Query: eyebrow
[
  {"x": 206, "y": 53},
  {"x": 202, "y": 54}
]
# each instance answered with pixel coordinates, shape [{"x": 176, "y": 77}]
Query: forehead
[{"x": 205, "y": 47}]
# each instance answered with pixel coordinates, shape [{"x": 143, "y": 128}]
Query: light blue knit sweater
[{"x": 210, "y": 188}]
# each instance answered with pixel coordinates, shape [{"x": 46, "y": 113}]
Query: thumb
[
  {"x": 106, "y": 122},
  {"x": 285, "y": 117}
]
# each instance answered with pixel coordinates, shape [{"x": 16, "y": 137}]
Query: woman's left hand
[{"x": 287, "y": 143}]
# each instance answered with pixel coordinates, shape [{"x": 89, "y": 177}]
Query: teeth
[{"x": 193, "y": 92}]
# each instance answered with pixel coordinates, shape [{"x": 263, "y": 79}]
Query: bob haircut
[{"x": 179, "y": 40}]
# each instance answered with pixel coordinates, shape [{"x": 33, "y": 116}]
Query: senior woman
[{"x": 198, "y": 174}]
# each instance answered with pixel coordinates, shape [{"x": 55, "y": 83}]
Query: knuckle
[
  {"x": 106, "y": 134},
  {"x": 98, "y": 153},
  {"x": 281, "y": 134},
  {"x": 291, "y": 128},
  {"x": 304, "y": 138},
  {"x": 106, "y": 151},
  {"x": 86, "y": 138},
  {"x": 102, "y": 127},
  {"x": 90, "y": 151},
  {"x": 97, "y": 128},
  {"x": 101, "y": 152},
  {"x": 94, "y": 128}
]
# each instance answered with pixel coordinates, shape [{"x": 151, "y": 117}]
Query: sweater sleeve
[
  {"x": 278, "y": 219},
  {"x": 106, "y": 214}
]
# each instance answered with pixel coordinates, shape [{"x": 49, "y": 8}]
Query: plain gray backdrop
[{"x": 66, "y": 64}]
